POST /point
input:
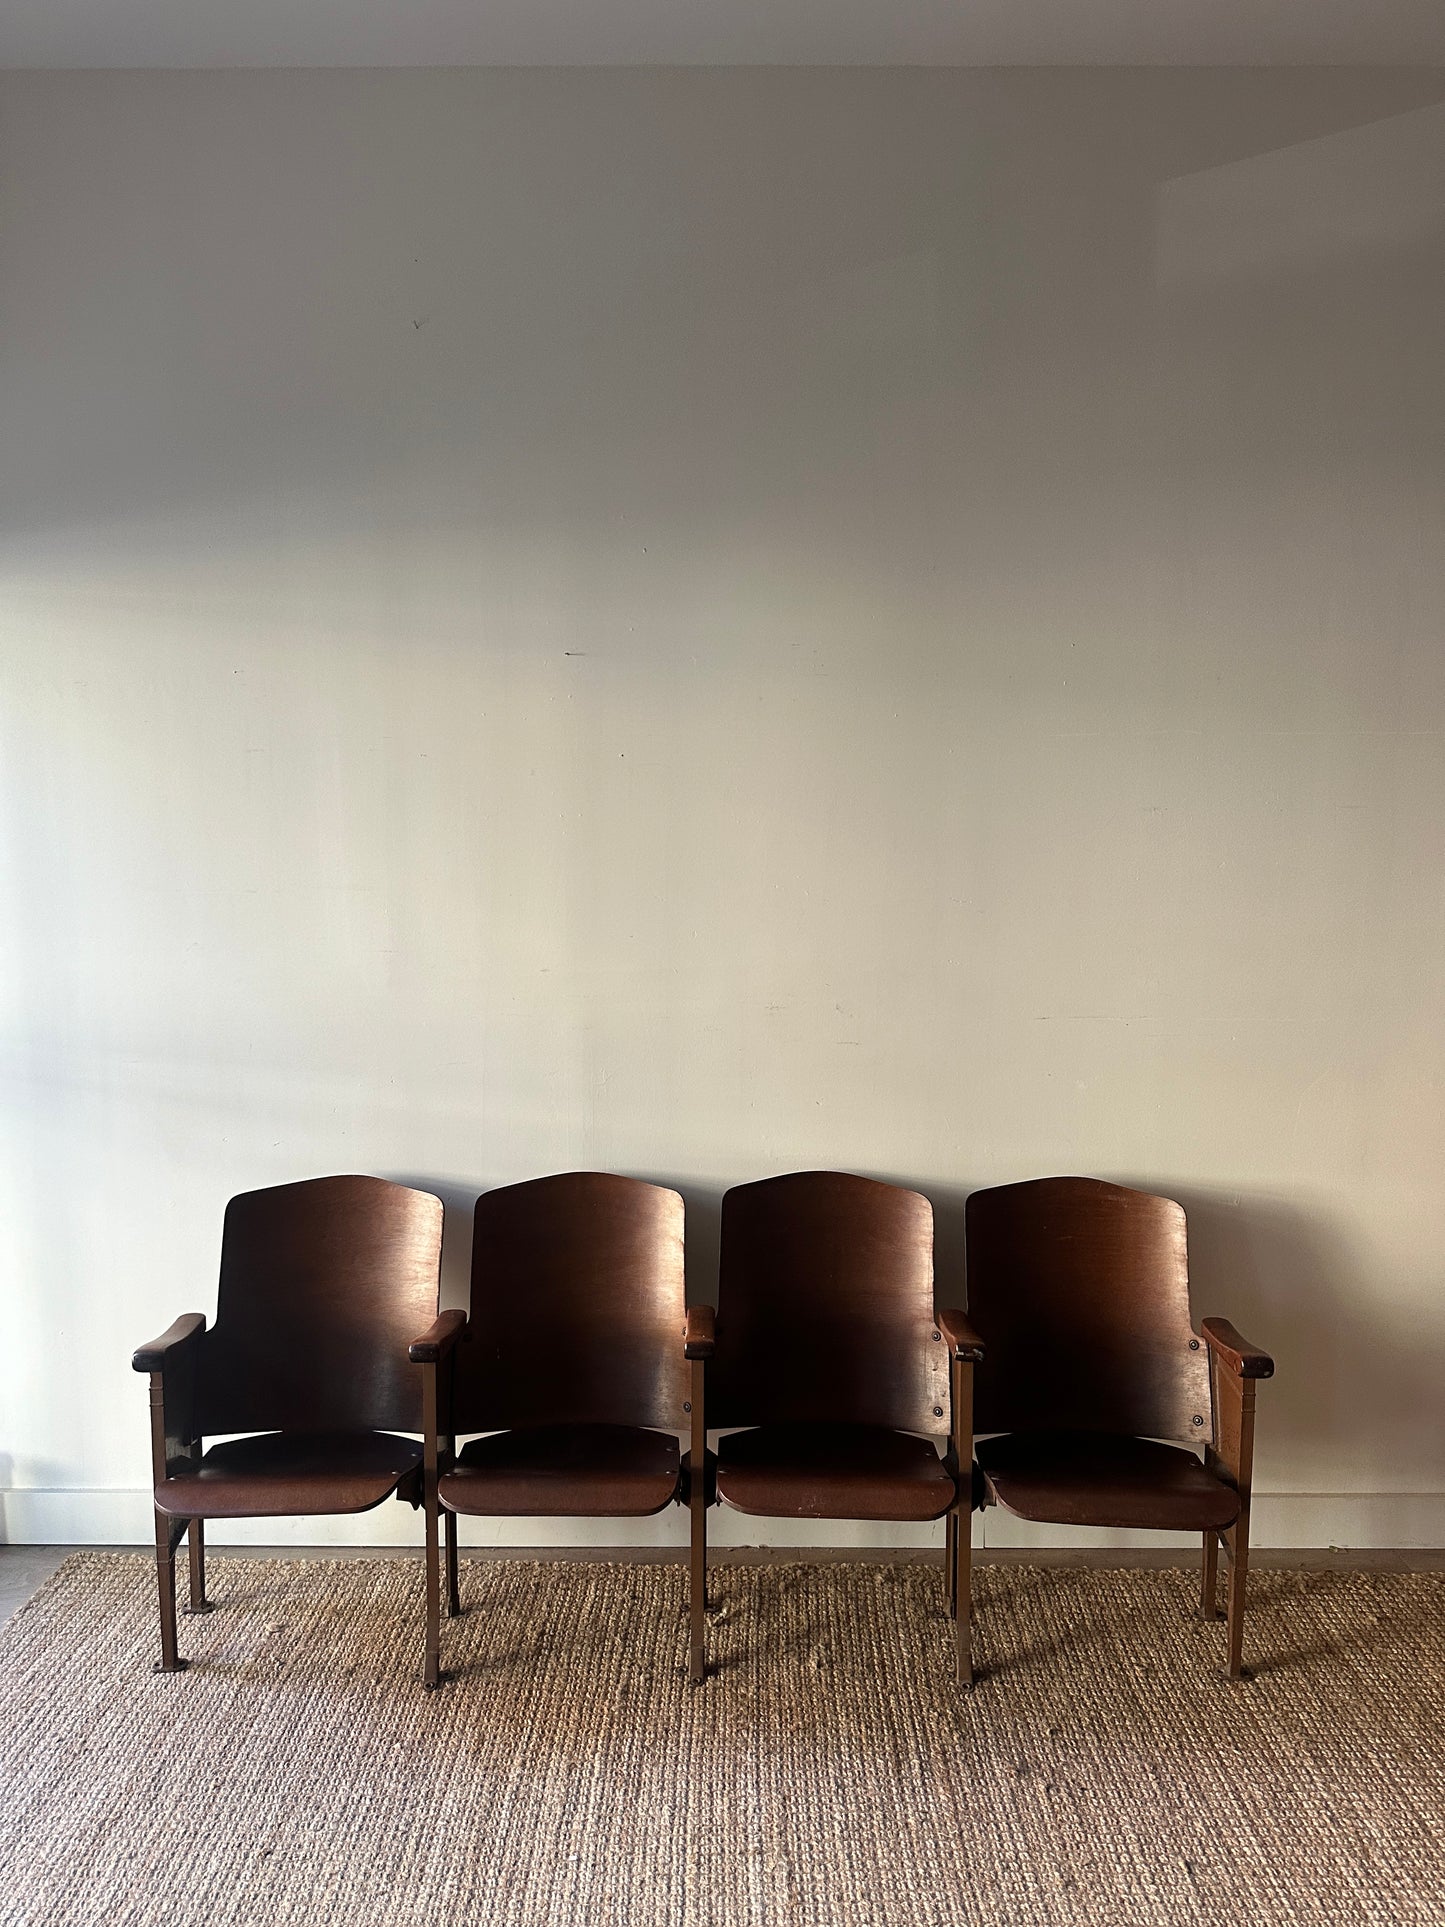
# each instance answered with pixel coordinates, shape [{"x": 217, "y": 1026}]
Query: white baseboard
[{"x": 1377, "y": 1521}]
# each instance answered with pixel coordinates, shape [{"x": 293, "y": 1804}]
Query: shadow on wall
[
  {"x": 949, "y": 1267},
  {"x": 459, "y": 1201},
  {"x": 702, "y": 1203},
  {"x": 1291, "y": 1281},
  {"x": 1286, "y": 1277}
]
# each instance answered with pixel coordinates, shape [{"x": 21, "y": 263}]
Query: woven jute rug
[{"x": 1103, "y": 1771}]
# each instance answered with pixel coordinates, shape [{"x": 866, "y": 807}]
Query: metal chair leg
[
  {"x": 950, "y": 1574},
  {"x": 431, "y": 1670},
  {"x": 196, "y": 1546},
  {"x": 697, "y": 1498},
  {"x": 697, "y": 1586},
  {"x": 454, "y": 1596},
  {"x": 1209, "y": 1581},
  {"x": 1237, "y": 1545},
  {"x": 963, "y": 1595},
  {"x": 170, "y": 1660}
]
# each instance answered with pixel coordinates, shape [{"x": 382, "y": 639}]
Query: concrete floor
[{"x": 25, "y": 1569}]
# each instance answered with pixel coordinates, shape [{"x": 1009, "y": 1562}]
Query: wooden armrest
[
  {"x": 699, "y": 1334},
  {"x": 434, "y": 1345},
  {"x": 1242, "y": 1358},
  {"x": 963, "y": 1341},
  {"x": 152, "y": 1357}
]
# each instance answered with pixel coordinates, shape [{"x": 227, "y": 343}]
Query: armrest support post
[
  {"x": 160, "y": 1454},
  {"x": 170, "y": 1361},
  {"x": 1231, "y": 1453},
  {"x": 960, "y": 1518},
  {"x": 960, "y": 1422},
  {"x": 699, "y": 1337},
  {"x": 430, "y": 1438},
  {"x": 435, "y": 1352},
  {"x": 1235, "y": 1366}
]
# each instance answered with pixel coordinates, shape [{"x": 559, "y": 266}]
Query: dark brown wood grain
[
  {"x": 323, "y": 1284},
  {"x": 577, "y": 1306},
  {"x": 825, "y": 1306},
  {"x": 828, "y": 1355},
  {"x": 833, "y": 1472},
  {"x": 1094, "y": 1380},
  {"x": 573, "y": 1362},
  {"x": 1079, "y": 1291},
  {"x": 584, "y": 1471},
  {"x": 292, "y": 1474},
  {"x": 1099, "y": 1479}
]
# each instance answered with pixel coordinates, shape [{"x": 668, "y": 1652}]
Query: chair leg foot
[{"x": 963, "y": 1673}]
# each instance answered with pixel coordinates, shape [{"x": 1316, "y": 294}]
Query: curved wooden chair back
[
  {"x": 1080, "y": 1293},
  {"x": 577, "y": 1308},
  {"x": 323, "y": 1286},
  {"x": 825, "y": 1307}
]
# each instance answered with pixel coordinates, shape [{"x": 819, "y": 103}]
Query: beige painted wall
[{"x": 708, "y": 623}]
